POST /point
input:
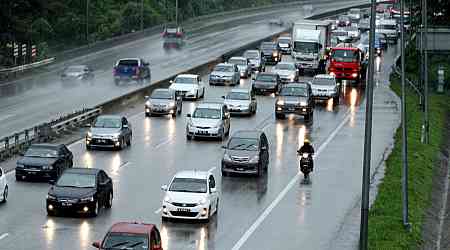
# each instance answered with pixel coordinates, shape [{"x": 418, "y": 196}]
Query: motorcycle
[{"x": 306, "y": 164}]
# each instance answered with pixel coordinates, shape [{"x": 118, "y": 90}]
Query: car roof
[
  {"x": 163, "y": 89},
  {"x": 284, "y": 37},
  {"x": 324, "y": 76},
  {"x": 194, "y": 174},
  {"x": 46, "y": 145},
  {"x": 344, "y": 46},
  {"x": 238, "y": 58},
  {"x": 131, "y": 227},
  {"x": 296, "y": 85},
  {"x": 123, "y": 59},
  {"x": 110, "y": 116},
  {"x": 240, "y": 90},
  {"x": 188, "y": 75},
  {"x": 290, "y": 63},
  {"x": 82, "y": 170},
  {"x": 225, "y": 64},
  {"x": 247, "y": 134},
  {"x": 252, "y": 50},
  {"x": 210, "y": 105},
  {"x": 267, "y": 73}
]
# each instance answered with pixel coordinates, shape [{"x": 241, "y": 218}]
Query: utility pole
[
  {"x": 364, "y": 227},
  {"x": 142, "y": 14},
  {"x": 404, "y": 129},
  {"x": 425, "y": 71},
  {"x": 87, "y": 21},
  {"x": 176, "y": 12}
]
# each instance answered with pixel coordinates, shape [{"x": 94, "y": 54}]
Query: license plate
[
  {"x": 203, "y": 132},
  {"x": 291, "y": 109},
  {"x": 101, "y": 141},
  {"x": 66, "y": 204},
  {"x": 183, "y": 210},
  {"x": 239, "y": 169}
]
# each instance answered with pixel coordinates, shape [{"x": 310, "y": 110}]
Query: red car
[
  {"x": 131, "y": 236},
  {"x": 347, "y": 63}
]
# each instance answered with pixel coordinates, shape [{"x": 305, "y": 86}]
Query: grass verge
[{"x": 386, "y": 230}]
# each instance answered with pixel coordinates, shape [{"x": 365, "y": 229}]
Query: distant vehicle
[
  {"x": 354, "y": 14},
  {"x": 173, "y": 37},
  {"x": 287, "y": 71},
  {"x": 80, "y": 190},
  {"x": 266, "y": 82},
  {"x": 364, "y": 25},
  {"x": 3, "y": 187},
  {"x": 131, "y": 69},
  {"x": 310, "y": 40},
  {"x": 191, "y": 195},
  {"x": 247, "y": 152},
  {"x": 341, "y": 36},
  {"x": 343, "y": 21},
  {"x": 295, "y": 98},
  {"x": 255, "y": 59},
  {"x": 270, "y": 52},
  {"x": 243, "y": 65},
  {"x": 325, "y": 87},
  {"x": 353, "y": 32},
  {"x": 188, "y": 86},
  {"x": 364, "y": 45},
  {"x": 163, "y": 102},
  {"x": 173, "y": 31},
  {"x": 347, "y": 63},
  {"x": 109, "y": 131},
  {"x": 240, "y": 101},
  {"x": 389, "y": 28},
  {"x": 225, "y": 74},
  {"x": 45, "y": 161},
  {"x": 278, "y": 22},
  {"x": 208, "y": 120},
  {"x": 284, "y": 43},
  {"x": 77, "y": 72},
  {"x": 132, "y": 236}
]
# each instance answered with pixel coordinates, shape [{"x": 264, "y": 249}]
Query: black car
[
  {"x": 163, "y": 102},
  {"x": 266, "y": 82},
  {"x": 44, "y": 161},
  {"x": 109, "y": 131},
  {"x": 81, "y": 191},
  {"x": 247, "y": 152},
  {"x": 270, "y": 51},
  {"x": 77, "y": 72},
  {"x": 295, "y": 98}
]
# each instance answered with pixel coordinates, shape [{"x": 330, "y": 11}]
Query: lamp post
[
  {"x": 142, "y": 14},
  {"x": 87, "y": 21}
]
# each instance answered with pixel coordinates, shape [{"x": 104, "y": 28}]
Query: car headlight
[
  {"x": 171, "y": 104},
  {"x": 303, "y": 103},
  {"x": 202, "y": 201},
  {"x": 167, "y": 199},
  {"x": 280, "y": 102},
  {"x": 254, "y": 159},
  {"x": 292, "y": 77},
  {"x": 51, "y": 197},
  {"x": 148, "y": 104},
  {"x": 89, "y": 134},
  {"x": 90, "y": 198},
  {"x": 226, "y": 157},
  {"x": 47, "y": 167},
  {"x": 275, "y": 53},
  {"x": 20, "y": 166}
]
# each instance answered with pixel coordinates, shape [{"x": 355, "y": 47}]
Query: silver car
[
  {"x": 225, "y": 74},
  {"x": 341, "y": 36},
  {"x": 163, "y": 102},
  {"x": 287, "y": 72},
  {"x": 241, "y": 101},
  {"x": 255, "y": 59},
  {"x": 325, "y": 87},
  {"x": 109, "y": 131},
  {"x": 208, "y": 120},
  {"x": 353, "y": 32},
  {"x": 243, "y": 66}
]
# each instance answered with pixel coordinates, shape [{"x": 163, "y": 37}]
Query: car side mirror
[
  {"x": 264, "y": 147},
  {"x": 223, "y": 97},
  {"x": 188, "y": 115},
  {"x": 146, "y": 97},
  {"x": 96, "y": 244},
  {"x": 213, "y": 190},
  {"x": 125, "y": 126},
  {"x": 164, "y": 187},
  {"x": 51, "y": 182},
  {"x": 171, "y": 81}
]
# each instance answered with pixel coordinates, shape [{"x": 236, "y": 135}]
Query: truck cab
[{"x": 347, "y": 63}]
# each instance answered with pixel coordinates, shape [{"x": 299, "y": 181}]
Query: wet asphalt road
[
  {"x": 31, "y": 101},
  {"x": 277, "y": 210}
]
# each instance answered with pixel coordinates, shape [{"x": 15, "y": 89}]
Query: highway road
[
  {"x": 278, "y": 210},
  {"x": 33, "y": 100}
]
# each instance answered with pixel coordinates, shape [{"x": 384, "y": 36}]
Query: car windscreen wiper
[
  {"x": 119, "y": 244},
  {"x": 136, "y": 244}
]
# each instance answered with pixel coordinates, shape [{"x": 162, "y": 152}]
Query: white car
[
  {"x": 209, "y": 120},
  {"x": 287, "y": 71},
  {"x": 191, "y": 195},
  {"x": 325, "y": 87},
  {"x": 3, "y": 186},
  {"x": 188, "y": 86}
]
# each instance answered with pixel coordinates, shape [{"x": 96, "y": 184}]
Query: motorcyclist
[{"x": 307, "y": 148}]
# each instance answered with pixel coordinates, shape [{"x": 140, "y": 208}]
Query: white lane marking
[
  {"x": 286, "y": 189},
  {"x": 3, "y": 236},
  {"x": 162, "y": 143},
  {"x": 158, "y": 211}
]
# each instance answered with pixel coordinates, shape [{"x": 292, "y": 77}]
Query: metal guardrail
[
  {"x": 44, "y": 132},
  {"x": 27, "y": 66}
]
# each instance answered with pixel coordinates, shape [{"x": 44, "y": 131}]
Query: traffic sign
[
  {"x": 16, "y": 50},
  {"x": 24, "y": 49},
  {"x": 33, "y": 50}
]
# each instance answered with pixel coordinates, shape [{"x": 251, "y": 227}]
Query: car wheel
[
  {"x": 109, "y": 201},
  {"x": 96, "y": 209},
  {"x": 279, "y": 116},
  {"x": 129, "y": 141},
  {"x": 5, "y": 194},
  {"x": 88, "y": 148},
  {"x": 222, "y": 135},
  {"x": 174, "y": 114},
  {"x": 188, "y": 137},
  {"x": 217, "y": 207}
]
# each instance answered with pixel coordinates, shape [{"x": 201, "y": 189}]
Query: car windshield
[
  {"x": 386, "y": 27},
  {"x": 354, "y": 11},
  {"x": 41, "y": 152},
  {"x": 284, "y": 40},
  {"x": 249, "y": 144},
  {"x": 268, "y": 46},
  {"x": 75, "y": 69},
  {"x": 340, "y": 33},
  {"x": 285, "y": 66},
  {"x": 125, "y": 241},
  {"x": 344, "y": 19},
  {"x": 251, "y": 54},
  {"x": 351, "y": 28},
  {"x": 342, "y": 55},
  {"x": 185, "y": 80},
  {"x": 189, "y": 185},
  {"x": 107, "y": 122},
  {"x": 78, "y": 180},
  {"x": 293, "y": 91},
  {"x": 238, "y": 61},
  {"x": 132, "y": 63},
  {"x": 207, "y": 113},
  {"x": 266, "y": 78},
  {"x": 323, "y": 81},
  {"x": 238, "y": 96},
  {"x": 223, "y": 68},
  {"x": 306, "y": 47},
  {"x": 161, "y": 95}
]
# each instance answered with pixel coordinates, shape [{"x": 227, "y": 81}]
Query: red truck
[{"x": 347, "y": 63}]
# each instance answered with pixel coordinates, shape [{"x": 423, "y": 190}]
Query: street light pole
[
  {"x": 425, "y": 70},
  {"x": 142, "y": 14},
  {"x": 176, "y": 12},
  {"x": 87, "y": 21},
  {"x": 364, "y": 228},
  {"x": 403, "y": 110}
]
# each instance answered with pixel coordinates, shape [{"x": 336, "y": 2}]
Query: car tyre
[
  {"x": 188, "y": 137},
  {"x": 336, "y": 100},
  {"x": 51, "y": 213},
  {"x": 5, "y": 194},
  {"x": 88, "y": 148},
  {"x": 109, "y": 201},
  {"x": 129, "y": 141},
  {"x": 279, "y": 116}
]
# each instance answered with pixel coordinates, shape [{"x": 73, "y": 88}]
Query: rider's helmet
[{"x": 306, "y": 142}]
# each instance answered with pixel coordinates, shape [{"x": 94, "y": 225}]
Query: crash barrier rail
[
  {"x": 18, "y": 142},
  {"x": 5, "y": 73},
  {"x": 416, "y": 88}
]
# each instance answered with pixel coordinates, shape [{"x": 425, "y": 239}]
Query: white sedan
[
  {"x": 190, "y": 195},
  {"x": 3, "y": 186},
  {"x": 188, "y": 86}
]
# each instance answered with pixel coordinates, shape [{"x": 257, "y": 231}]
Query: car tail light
[
  {"x": 114, "y": 71},
  {"x": 179, "y": 34}
]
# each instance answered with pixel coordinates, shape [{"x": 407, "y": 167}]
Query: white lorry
[{"x": 310, "y": 41}]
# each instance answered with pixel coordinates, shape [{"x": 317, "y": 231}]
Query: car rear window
[
  {"x": 128, "y": 63},
  {"x": 126, "y": 241},
  {"x": 266, "y": 78},
  {"x": 323, "y": 81}
]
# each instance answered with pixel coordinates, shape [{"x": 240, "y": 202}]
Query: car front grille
[
  {"x": 239, "y": 159},
  {"x": 184, "y": 204},
  {"x": 184, "y": 214},
  {"x": 67, "y": 200},
  {"x": 102, "y": 141}
]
